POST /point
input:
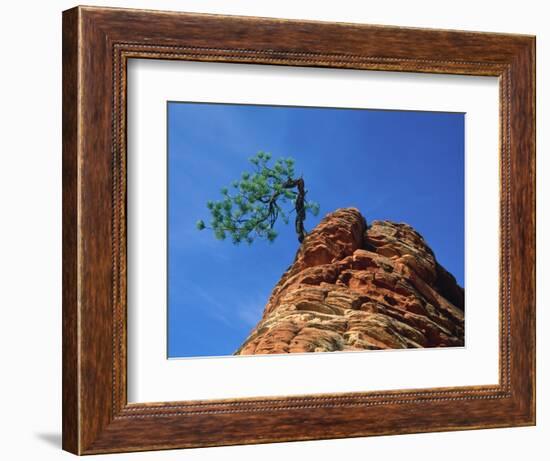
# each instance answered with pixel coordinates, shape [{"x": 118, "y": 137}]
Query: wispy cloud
[
  {"x": 214, "y": 308},
  {"x": 247, "y": 313},
  {"x": 251, "y": 312}
]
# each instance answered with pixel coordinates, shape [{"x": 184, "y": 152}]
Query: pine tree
[{"x": 253, "y": 204}]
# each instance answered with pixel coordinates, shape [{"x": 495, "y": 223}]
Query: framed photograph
[{"x": 281, "y": 230}]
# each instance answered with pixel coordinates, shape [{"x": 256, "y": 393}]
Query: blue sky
[{"x": 404, "y": 166}]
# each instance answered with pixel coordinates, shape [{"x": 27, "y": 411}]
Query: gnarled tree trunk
[{"x": 299, "y": 205}]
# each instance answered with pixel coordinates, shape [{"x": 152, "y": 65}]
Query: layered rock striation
[{"x": 354, "y": 287}]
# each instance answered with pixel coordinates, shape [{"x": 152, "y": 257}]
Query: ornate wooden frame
[{"x": 97, "y": 43}]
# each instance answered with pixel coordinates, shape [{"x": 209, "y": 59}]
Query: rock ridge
[{"x": 355, "y": 287}]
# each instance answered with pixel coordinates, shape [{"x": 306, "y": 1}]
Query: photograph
[{"x": 313, "y": 229}]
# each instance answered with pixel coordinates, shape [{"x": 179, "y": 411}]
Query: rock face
[{"x": 353, "y": 287}]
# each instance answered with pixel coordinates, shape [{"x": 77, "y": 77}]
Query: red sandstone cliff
[{"x": 353, "y": 287}]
